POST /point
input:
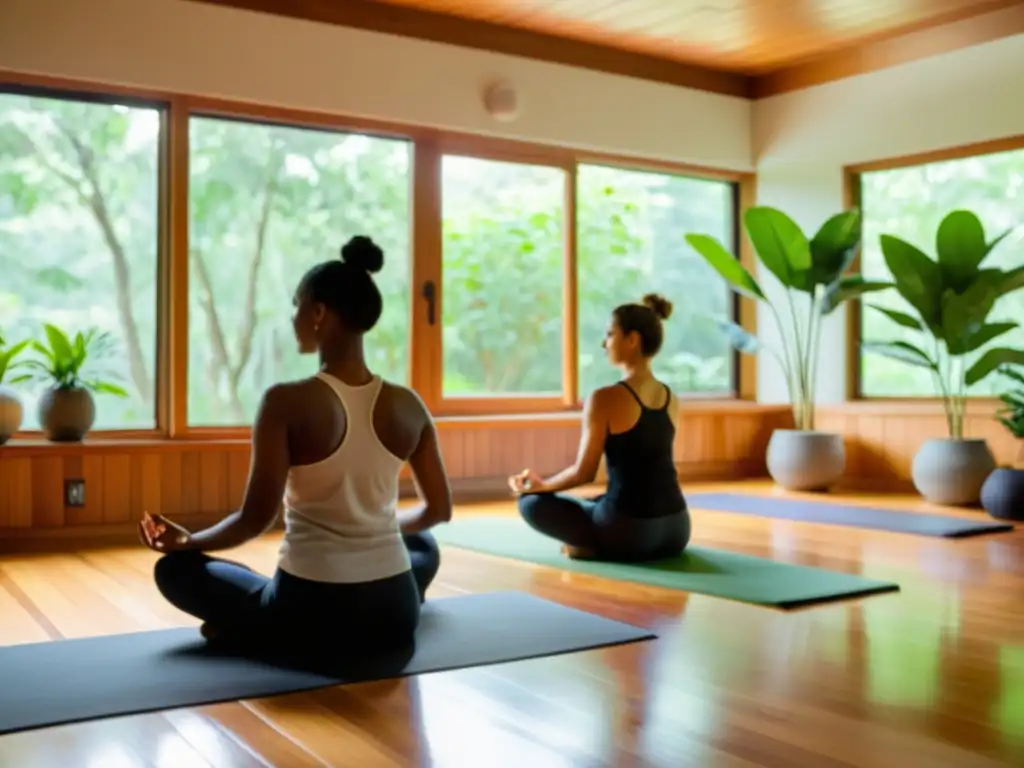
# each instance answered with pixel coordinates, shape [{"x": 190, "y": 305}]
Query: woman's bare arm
[
  {"x": 588, "y": 457},
  {"x": 432, "y": 484},
  {"x": 268, "y": 473}
]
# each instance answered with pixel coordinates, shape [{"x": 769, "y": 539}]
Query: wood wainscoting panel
[
  {"x": 196, "y": 480},
  {"x": 882, "y": 437},
  {"x": 723, "y": 443}
]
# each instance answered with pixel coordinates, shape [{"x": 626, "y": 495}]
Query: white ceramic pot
[
  {"x": 12, "y": 412},
  {"x": 952, "y": 471},
  {"x": 802, "y": 460}
]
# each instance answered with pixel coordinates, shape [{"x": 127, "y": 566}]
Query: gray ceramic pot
[
  {"x": 1002, "y": 495},
  {"x": 952, "y": 471},
  {"x": 66, "y": 415},
  {"x": 11, "y": 413},
  {"x": 801, "y": 460}
]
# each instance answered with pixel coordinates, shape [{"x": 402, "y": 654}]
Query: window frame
[
  {"x": 512, "y": 404},
  {"x": 853, "y": 197},
  {"x": 429, "y": 145},
  {"x": 742, "y": 311},
  {"x": 161, "y": 103},
  {"x": 217, "y": 110}
]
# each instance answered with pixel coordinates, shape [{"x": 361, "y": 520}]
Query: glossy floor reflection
[{"x": 932, "y": 676}]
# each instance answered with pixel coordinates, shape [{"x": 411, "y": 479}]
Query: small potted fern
[
  {"x": 1002, "y": 495},
  {"x": 11, "y": 410},
  {"x": 67, "y": 409}
]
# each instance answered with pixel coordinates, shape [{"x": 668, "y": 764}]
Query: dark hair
[
  {"x": 645, "y": 319},
  {"x": 346, "y": 287}
]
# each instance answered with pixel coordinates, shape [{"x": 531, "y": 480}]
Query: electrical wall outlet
[{"x": 74, "y": 493}]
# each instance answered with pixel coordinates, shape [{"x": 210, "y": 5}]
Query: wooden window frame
[
  {"x": 505, "y": 403},
  {"x": 743, "y": 310},
  {"x": 852, "y": 197},
  {"x": 63, "y": 90},
  {"x": 425, "y": 358}
]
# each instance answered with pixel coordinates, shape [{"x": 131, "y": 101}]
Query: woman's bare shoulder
[
  {"x": 604, "y": 397},
  {"x": 405, "y": 401}
]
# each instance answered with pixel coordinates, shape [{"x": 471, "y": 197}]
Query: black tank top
[{"x": 642, "y": 480}]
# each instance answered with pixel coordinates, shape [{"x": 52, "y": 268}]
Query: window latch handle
[{"x": 430, "y": 294}]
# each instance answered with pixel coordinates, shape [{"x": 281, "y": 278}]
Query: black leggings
[
  {"x": 290, "y": 612},
  {"x": 594, "y": 525}
]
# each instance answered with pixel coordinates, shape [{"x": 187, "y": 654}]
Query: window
[
  {"x": 267, "y": 202},
  {"x": 630, "y": 229},
  {"x": 79, "y": 234},
  {"x": 910, "y": 203},
  {"x": 87, "y": 180},
  {"x": 502, "y": 262}
]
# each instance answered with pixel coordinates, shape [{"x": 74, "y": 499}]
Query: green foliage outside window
[{"x": 80, "y": 232}]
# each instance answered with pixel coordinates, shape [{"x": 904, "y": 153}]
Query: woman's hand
[
  {"x": 161, "y": 535},
  {"x": 526, "y": 481}
]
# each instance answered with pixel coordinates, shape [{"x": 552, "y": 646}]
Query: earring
[{"x": 316, "y": 327}]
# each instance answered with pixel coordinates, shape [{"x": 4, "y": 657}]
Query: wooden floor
[{"x": 932, "y": 676}]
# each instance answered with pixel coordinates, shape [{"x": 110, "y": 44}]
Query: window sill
[
  {"x": 28, "y": 447},
  {"x": 910, "y": 406},
  {"x": 229, "y": 439}
]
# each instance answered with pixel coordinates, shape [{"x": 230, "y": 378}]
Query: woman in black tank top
[{"x": 642, "y": 515}]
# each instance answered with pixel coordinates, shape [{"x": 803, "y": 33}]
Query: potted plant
[
  {"x": 67, "y": 409},
  {"x": 1002, "y": 495},
  {"x": 952, "y": 297},
  {"x": 812, "y": 274},
  {"x": 11, "y": 410}
]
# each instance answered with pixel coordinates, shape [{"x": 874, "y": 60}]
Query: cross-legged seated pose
[
  {"x": 642, "y": 516},
  {"x": 352, "y": 570}
]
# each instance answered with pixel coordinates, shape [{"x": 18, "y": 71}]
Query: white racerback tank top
[{"x": 340, "y": 513}]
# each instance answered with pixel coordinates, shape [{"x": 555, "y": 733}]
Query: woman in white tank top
[{"x": 353, "y": 570}]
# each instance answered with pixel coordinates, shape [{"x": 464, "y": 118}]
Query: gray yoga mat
[
  {"x": 65, "y": 681},
  {"x": 916, "y": 523}
]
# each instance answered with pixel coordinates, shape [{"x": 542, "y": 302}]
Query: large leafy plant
[
  {"x": 1011, "y": 414},
  {"x": 952, "y": 297},
  {"x": 9, "y": 361},
  {"x": 813, "y": 268},
  {"x": 63, "y": 360}
]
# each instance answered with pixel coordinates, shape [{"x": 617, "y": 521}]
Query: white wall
[
  {"x": 802, "y": 141},
  {"x": 226, "y": 53}
]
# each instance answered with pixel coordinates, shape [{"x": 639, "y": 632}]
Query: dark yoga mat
[
  {"x": 705, "y": 571},
  {"x": 65, "y": 681},
  {"x": 876, "y": 519}
]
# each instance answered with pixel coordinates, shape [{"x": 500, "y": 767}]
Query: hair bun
[
  {"x": 362, "y": 253},
  {"x": 658, "y": 304}
]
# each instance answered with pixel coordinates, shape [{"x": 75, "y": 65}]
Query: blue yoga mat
[{"x": 917, "y": 523}]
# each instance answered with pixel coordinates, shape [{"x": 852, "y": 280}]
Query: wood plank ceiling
[
  {"x": 747, "y": 48},
  {"x": 750, "y": 37}
]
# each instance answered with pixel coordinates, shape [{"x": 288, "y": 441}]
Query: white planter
[
  {"x": 952, "y": 471},
  {"x": 11, "y": 413},
  {"x": 800, "y": 460}
]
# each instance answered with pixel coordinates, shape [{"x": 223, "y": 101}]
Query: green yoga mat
[{"x": 706, "y": 571}]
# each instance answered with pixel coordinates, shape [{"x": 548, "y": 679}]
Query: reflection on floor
[{"x": 932, "y": 676}]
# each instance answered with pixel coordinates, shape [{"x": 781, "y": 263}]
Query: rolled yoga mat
[
  {"x": 67, "y": 681},
  {"x": 707, "y": 571},
  {"x": 919, "y": 524}
]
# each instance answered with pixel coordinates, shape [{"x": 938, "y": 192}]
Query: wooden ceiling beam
[
  {"x": 480, "y": 35},
  {"x": 960, "y": 31},
  {"x": 989, "y": 21}
]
